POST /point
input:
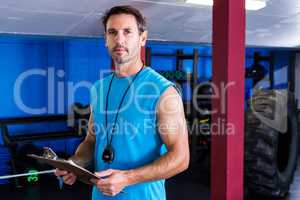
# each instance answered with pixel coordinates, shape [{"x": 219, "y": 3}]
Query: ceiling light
[{"x": 250, "y": 4}]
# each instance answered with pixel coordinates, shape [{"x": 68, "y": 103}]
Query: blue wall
[
  {"x": 55, "y": 69},
  {"x": 281, "y": 61},
  {"x": 16, "y": 57},
  {"x": 85, "y": 61}
]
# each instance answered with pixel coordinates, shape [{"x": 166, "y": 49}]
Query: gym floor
[{"x": 191, "y": 185}]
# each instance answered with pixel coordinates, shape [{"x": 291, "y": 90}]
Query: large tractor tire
[{"x": 271, "y": 155}]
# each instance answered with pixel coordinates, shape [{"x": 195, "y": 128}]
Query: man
[{"x": 135, "y": 113}]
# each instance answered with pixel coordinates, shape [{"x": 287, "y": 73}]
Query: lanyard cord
[{"x": 121, "y": 102}]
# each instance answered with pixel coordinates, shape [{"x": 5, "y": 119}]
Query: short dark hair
[{"x": 125, "y": 9}]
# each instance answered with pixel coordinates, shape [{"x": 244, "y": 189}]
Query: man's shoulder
[
  {"x": 155, "y": 76},
  {"x": 163, "y": 82}
]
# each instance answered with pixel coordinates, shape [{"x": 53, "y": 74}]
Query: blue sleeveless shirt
[{"x": 136, "y": 140}]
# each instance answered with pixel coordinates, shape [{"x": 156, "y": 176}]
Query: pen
[{"x": 60, "y": 182}]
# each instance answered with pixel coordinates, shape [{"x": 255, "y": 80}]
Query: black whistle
[{"x": 108, "y": 154}]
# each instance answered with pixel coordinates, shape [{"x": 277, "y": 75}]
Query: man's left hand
[{"x": 111, "y": 181}]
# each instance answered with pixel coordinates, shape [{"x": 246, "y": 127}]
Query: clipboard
[{"x": 82, "y": 174}]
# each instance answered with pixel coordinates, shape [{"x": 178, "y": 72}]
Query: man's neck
[{"x": 128, "y": 69}]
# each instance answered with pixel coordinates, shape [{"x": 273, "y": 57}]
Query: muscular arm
[
  {"x": 83, "y": 155},
  {"x": 85, "y": 151},
  {"x": 173, "y": 131}
]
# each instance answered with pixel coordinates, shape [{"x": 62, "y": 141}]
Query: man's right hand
[{"x": 69, "y": 178}]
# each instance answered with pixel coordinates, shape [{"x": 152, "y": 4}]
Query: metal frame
[
  {"x": 12, "y": 141},
  {"x": 193, "y": 80}
]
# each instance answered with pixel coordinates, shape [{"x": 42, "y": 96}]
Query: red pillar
[{"x": 227, "y": 154}]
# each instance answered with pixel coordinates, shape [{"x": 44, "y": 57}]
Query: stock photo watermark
[{"x": 61, "y": 94}]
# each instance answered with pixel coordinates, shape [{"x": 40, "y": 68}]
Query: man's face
[{"x": 123, "y": 39}]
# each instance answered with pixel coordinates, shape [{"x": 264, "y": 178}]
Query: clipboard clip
[{"x": 49, "y": 153}]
